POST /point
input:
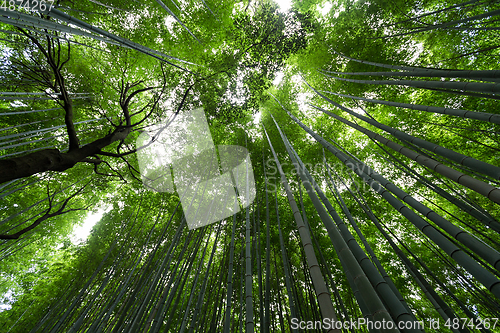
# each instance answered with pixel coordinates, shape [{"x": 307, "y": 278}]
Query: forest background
[{"x": 373, "y": 132}]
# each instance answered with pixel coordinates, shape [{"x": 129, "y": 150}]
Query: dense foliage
[{"x": 341, "y": 83}]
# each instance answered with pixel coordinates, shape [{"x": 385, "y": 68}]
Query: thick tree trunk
[{"x": 54, "y": 159}]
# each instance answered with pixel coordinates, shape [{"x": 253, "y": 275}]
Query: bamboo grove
[{"x": 373, "y": 129}]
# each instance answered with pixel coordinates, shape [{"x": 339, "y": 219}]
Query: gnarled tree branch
[{"x": 47, "y": 215}]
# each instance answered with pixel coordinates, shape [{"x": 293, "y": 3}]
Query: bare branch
[
  {"x": 137, "y": 92},
  {"x": 68, "y": 57},
  {"x": 47, "y": 215},
  {"x": 50, "y": 55},
  {"x": 106, "y": 174},
  {"x": 131, "y": 169},
  {"x": 92, "y": 160}
]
